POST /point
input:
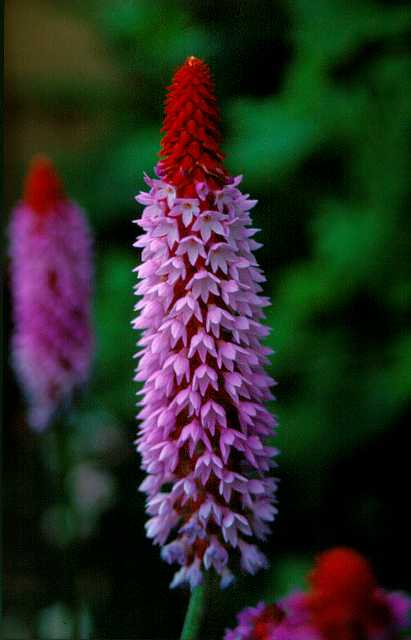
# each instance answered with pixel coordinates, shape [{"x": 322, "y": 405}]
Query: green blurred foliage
[{"x": 316, "y": 111}]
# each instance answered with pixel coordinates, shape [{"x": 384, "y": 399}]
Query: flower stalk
[
  {"x": 52, "y": 342},
  {"x": 195, "y": 611}
]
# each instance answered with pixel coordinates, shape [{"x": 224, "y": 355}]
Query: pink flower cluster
[
  {"x": 50, "y": 249},
  {"x": 291, "y": 620},
  {"x": 204, "y": 424},
  {"x": 344, "y": 602}
]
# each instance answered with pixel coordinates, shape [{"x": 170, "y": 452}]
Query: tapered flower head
[
  {"x": 50, "y": 250},
  {"x": 343, "y": 603},
  {"x": 190, "y": 146},
  {"x": 204, "y": 423}
]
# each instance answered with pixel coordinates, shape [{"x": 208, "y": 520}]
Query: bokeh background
[{"x": 316, "y": 110}]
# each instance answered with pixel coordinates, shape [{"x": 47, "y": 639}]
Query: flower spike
[
  {"x": 50, "y": 248},
  {"x": 203, "y": 421}
]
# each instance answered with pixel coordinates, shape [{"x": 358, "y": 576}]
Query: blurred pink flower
[
  {"x": 344, "y": 603},
  {"x": 51, "y": 271}
]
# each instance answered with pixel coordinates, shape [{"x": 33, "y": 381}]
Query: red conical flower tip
[
  {"x": 190, "y": 147},
  {"x": 342, "y": 572},
  {"x": 344, "y": 601},
  {"x": 43, "y": 188}
]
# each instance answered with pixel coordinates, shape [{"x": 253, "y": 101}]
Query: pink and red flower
[
  {"x": 204, "y": 423},
  {"x": 50, "y": 248},
  {"x": 344, "y": 603}
]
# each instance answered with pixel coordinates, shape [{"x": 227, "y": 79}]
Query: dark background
[{"x": 316, "y": 102}]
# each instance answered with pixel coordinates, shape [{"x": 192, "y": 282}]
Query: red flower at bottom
[{"x": 345, "y": 603}]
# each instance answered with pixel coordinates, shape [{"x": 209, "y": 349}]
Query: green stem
[
  {"x": 195, "y": 612},
  {"x": 58, "y": 445}
]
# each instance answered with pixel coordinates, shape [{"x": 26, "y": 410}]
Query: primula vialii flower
[
  {"x": 50, "y": 249},
  {"x": 344, "y": 603},
  {"x": 204, "y": 423}
]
